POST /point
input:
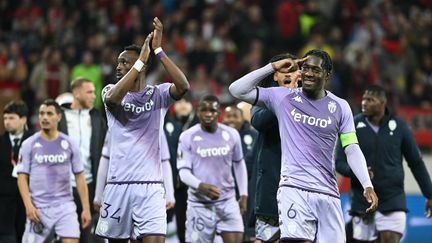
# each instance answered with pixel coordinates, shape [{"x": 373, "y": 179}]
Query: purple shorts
[
  {"x": 305, "y": 215},
  {"x": 204, "y": 221},
  {"x": 130, "y": 211},
  {"x": 61, "y": 219}
]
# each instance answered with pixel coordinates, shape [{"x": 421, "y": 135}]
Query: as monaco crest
[{"x": 331, "y": 106}]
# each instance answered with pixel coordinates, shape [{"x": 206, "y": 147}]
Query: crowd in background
[{"x": 46, "y": 44}]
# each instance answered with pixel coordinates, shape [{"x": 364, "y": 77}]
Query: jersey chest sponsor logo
[
  {"x": 213, "y": 152},
  {"x": 51, "y": 158},
  {"x": 310, "y": 120},
  {"x": 129, "y": 107}
]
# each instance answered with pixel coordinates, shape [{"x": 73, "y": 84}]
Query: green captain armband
[{"x": 348, "y": 138}]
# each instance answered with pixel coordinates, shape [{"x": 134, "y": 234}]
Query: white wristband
[
  {"x": 138, "y": 65},
  {"x": 157, "y": 50}
]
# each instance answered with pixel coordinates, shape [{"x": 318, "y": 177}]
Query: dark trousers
[
  {"x": 87, "y": 235},
  {"x": 12, "y": 219},
  {"x": 180, "y": 195}
]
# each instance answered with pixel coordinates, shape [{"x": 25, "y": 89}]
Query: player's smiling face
[
  {"x": 313, "y": 75},
  {"x": 125, "y": 61},
  {"x": 208, "y": 112}
]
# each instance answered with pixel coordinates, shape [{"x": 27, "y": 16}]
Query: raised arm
[
  {"x": 126, "y": 83},
  {"x": 244, "y": 87},
  {"x": 181, "y": 84}
]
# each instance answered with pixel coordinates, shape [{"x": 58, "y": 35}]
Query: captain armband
[{"x": 348, "y": 138}]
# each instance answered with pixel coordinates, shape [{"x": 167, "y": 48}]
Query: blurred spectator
[
  {"x": 88, "y": 69},
  {"x": 50, "y": 76},
  {"x": 12, "y": 72}
]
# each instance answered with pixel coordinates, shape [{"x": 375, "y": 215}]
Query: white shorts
[
  {"x": 204, "y": 221},
  {"x": 305, "y": 215},
  {"x": 368, "y": 228},
  {"x": 265, "y": 231},
  {"x": 61, "y": 219},
  {"x": 130, "y": 211}
]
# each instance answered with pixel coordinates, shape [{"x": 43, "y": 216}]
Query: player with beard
[{"x": 134, "y": 205}]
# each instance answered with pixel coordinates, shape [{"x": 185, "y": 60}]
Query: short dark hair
[
  {"x": 76, "y": 83},
  {"x": 51, "y": 102},
  {"x": 235, "y": 107},
  {"x": 209, "y": 98},
  {"x": 282, "y": 56},
  {"x": 327, "y": 62},
  {"x": 268, "y": 81},
  {"x": 134, "y": 48},
  {"x": 16, "y": 107},
  {"x": 376, "y": 90}
]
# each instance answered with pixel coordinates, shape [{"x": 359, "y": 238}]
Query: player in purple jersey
[
  {"x": 134, "y": 205},
  {"x": 206, "y": 156},
  {"x": 311, "y": 119},
  {"x": 45, "y": 163}
]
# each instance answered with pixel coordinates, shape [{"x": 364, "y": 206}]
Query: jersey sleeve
[
  {"x": 347, "y": 134},
  {"x": 165, "y": 154},
  {"x": 237, "y": 150},
  {"x": 165, "y": 94},
  {"x": 105, "y": 91},
  {"x": 77, "y": 165},
  {"x": 24, "y": 157},
  {"x": 184, "y": 153}
]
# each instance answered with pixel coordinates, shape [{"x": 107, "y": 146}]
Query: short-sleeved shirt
[
  {"x": 309, "y": 130},
  {"x": 49, "y": 164},
  {"x": 135, "y": 126},
  {"x": 209, "y": 156}
]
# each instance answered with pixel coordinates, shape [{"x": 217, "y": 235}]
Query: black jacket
[
  {"x": 99, "y": 128},
  {"x": 268, "y": 163},
  {"x": 248, "y": 136},
  {"x": 383, "y": 152},
  {"x": 9, "y": 186}
]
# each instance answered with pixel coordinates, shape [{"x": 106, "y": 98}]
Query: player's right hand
[
  {"x": 209, "y": 190},
  {"x": 32, "y": 213},
  {"x": 288, "y": 65},
  {"x": 372, "y": 198},
  {"x": 85, "y": 218},
  {"x": 145, "y": 49}
]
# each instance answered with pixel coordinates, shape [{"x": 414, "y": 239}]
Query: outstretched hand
[
  {"x": 288, "y": 65},
  {"x": 372, "y": 198},
  {"x": 145, "y": 49},
  {"x": 157, "y": 33}
]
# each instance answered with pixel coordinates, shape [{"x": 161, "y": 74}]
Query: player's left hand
[
  {"x": 372, "y": 198},
  {"x": 243, "y": 204},
  {"x": 85, "y": 218},
  {"x": 428, "y": 211},
  {"x": 157, "y": 33}
]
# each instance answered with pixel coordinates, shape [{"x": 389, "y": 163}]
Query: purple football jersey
[
  {"x": 210, "y": 156},
  {"x": 135, "y": 127},
  {"x": 49, "y": 164},
  {"x": 309, "y": 130}
]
